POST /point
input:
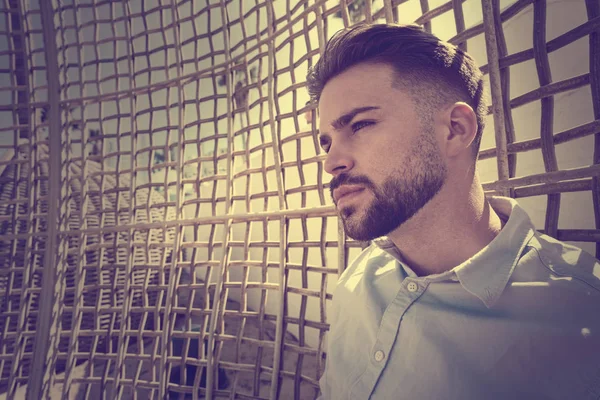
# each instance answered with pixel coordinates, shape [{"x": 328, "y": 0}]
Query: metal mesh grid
[{"x": 186, "y": 240}]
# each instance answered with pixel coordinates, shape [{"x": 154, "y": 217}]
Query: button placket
[{"x": 367, "y": 379}]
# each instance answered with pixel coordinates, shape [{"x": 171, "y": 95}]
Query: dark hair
[{"x": 434, "y": 72}]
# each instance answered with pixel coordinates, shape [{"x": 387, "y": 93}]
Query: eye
[
  {"x": 325, "y": 144},
  {"x": 360, "y": 124}
]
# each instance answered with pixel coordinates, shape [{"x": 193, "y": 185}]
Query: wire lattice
[{"x": 165, "y": 226}]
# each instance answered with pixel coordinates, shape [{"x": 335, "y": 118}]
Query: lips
[{"x": 345, "y": 190}]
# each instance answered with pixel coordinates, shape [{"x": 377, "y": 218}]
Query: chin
[
  {"x": 353, "y": 211},
  {"x": 350, "y": 213},
  {"x": 365, "y": 224},
  {"x": 354, "y": 225},
  {"x": 359, "y": 235}
]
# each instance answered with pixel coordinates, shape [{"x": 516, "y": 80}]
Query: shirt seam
[{"x": 564, "y": 275}]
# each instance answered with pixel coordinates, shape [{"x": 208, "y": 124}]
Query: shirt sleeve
[
  {"x": 324, "y": 381},
  {"x": 324, "y": 386}
]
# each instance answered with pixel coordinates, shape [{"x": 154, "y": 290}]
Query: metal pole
[{"x": 46, "y": 317}]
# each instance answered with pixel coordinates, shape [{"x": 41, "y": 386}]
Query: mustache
[{"x": 345, "y": 179}]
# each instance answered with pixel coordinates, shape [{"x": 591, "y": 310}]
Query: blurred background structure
[{"x": 166, "y": 229}]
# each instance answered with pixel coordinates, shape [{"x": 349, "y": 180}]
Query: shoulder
[
  {"x": 554, "y": 296},
  {"x": 563, "y": 260},
  {"x": 363, "y": 278},
  {"x": 555, "y": 285},
  {"x": 555, "y": 289},
  {"x": 372, "y": 256}
]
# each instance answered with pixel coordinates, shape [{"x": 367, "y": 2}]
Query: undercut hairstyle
[{"x": 435, "y": 73}]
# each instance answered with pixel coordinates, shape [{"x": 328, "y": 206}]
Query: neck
[{"x": 449, "y": 230}]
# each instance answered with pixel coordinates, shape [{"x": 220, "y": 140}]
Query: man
[{"x": 458, "y": 297}]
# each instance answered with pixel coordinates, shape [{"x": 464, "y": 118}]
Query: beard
[{"x": 401, "y": 195}]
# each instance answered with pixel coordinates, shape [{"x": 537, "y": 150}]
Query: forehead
[{"x": 360, "y": 85}]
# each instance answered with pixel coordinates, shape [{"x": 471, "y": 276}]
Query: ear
[{"x": 461, "y": 123}]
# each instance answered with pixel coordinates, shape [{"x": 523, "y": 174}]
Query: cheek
[{"x": 383, "y": 156}]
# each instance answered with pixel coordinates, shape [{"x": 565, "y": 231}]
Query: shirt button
[
  {"x": 379, "y": 356},
  {"x": 412, "y": 287}
]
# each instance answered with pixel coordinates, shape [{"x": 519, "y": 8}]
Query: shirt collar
[{"x": 486, "y": 274}]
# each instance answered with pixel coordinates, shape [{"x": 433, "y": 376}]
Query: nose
[{"x": 338, "y": 160}]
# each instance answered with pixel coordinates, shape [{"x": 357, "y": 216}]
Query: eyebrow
[{"x": 345, "y": 119}]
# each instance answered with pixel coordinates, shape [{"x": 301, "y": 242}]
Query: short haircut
[{"x": 434, "y": 72}]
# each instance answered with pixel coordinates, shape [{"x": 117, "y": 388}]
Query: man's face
[{"x": 386, "y": 166}]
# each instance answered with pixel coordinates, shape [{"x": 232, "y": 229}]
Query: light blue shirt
[{"x": 519, "y": 320}]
